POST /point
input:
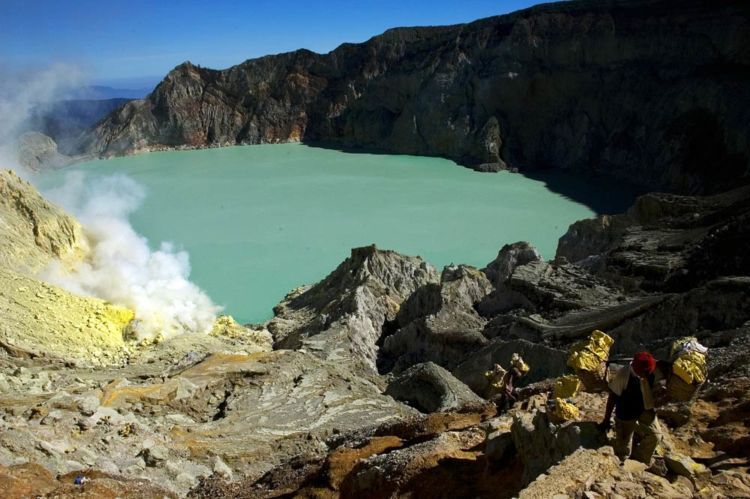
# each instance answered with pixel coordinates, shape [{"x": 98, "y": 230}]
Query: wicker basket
[
  {"x": 594, "y": 381},
  {"x": 680, "y": 391}
]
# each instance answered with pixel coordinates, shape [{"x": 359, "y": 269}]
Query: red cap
[{"x": 643, "y": 363}]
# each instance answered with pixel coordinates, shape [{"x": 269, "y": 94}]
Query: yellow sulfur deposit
[
  {"x": 225, "y": 325},
  {"x": 690, "y": 367},
  {"x": 588, "y": 355},
  {"x": 584, "y": 360},
  {"x": 566, "y": 386},
  {"x": 688, "y": 343},
  {"x": 43, "y": 319},
  {"x": 563, "y": 411},
  {"x": 255, "y": 340},
  {"x": 117, "y": 315}
]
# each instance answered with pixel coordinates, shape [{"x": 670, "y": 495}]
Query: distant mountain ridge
[{"x": 652, "y": 92}]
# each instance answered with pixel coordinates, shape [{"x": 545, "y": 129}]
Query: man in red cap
[{"x": 632, "y": 400}]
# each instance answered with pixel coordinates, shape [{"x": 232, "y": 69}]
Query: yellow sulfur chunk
[
  {"x": 566, "y": 387},
  {"x": 690, "y": 367},
  {"x": 563, "y": 411}
]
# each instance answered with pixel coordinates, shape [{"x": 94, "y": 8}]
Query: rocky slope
[
  {"x": 32, "y": 230},
  {"x": 640, "y": 90},
  {"x": 370, "y": 383},
  {"x": 77, "y": 392},
  {"x": 457, "y": 448},
  {"x": 37, "y": 151}
]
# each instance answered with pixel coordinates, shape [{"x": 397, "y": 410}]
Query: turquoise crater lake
[{"x": 259, "y": 221}]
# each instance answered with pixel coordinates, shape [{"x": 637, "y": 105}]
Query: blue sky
[{"x": 125, "y": 41}]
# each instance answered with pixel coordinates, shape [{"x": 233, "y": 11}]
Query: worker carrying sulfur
[
  {"x": 631, "y": 397},
  {"x": 501, "y": 382}
]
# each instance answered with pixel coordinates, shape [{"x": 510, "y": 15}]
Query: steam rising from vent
[{"x": 121, "y": 268}]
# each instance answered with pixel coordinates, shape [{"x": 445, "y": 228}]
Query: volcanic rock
[
  {"x": 541, "y": 444},
  {"x": 429, "y": 388},
  {"x": 666, "y": 242},
  {"x": 508, "y": 258},
  {"x": 438, "y": 323},
  {"x": 597, "y": 474},
  {"x": 341, "y": 317}
]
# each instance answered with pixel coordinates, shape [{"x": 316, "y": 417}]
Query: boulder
[
  {"x": 685, "y": 466},
  {"x": 155, "y": 455},
  {"x": 430, "y": 388},
  {"x": 508, "y": 258},
  {"x": 88, "y": 405},
  {"x": 541, "y": 444}
]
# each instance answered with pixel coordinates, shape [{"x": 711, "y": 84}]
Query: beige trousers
[{"x": 646, "y": 428}]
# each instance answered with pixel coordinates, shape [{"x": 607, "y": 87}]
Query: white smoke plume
[
  {"x": 121, "y": 268},
  {"x": 22, "y": 90}
]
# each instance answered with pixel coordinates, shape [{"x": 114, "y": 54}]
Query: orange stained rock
[
  {"x": 32, "y": 480},
  {"x": 197, "y": 442},
  {"x": 116, "y": 393},
  {"x": 702, "y": 410},
  {"x": 343, "y": 460},
  {"x": 443, "y": 421},
  {"x": 222, "y": 363},
  {"x": 26, "y": 480}
]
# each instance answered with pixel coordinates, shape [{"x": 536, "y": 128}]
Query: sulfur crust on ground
[{"x": 40, "y": 317}]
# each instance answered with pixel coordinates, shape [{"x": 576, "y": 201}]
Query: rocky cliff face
[{"x": 640, "y": 90}]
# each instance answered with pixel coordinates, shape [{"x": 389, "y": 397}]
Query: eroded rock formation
[{"x": 341, "y": 317}]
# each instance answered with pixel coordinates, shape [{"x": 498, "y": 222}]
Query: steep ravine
[{"x": 653, "y": 92}]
